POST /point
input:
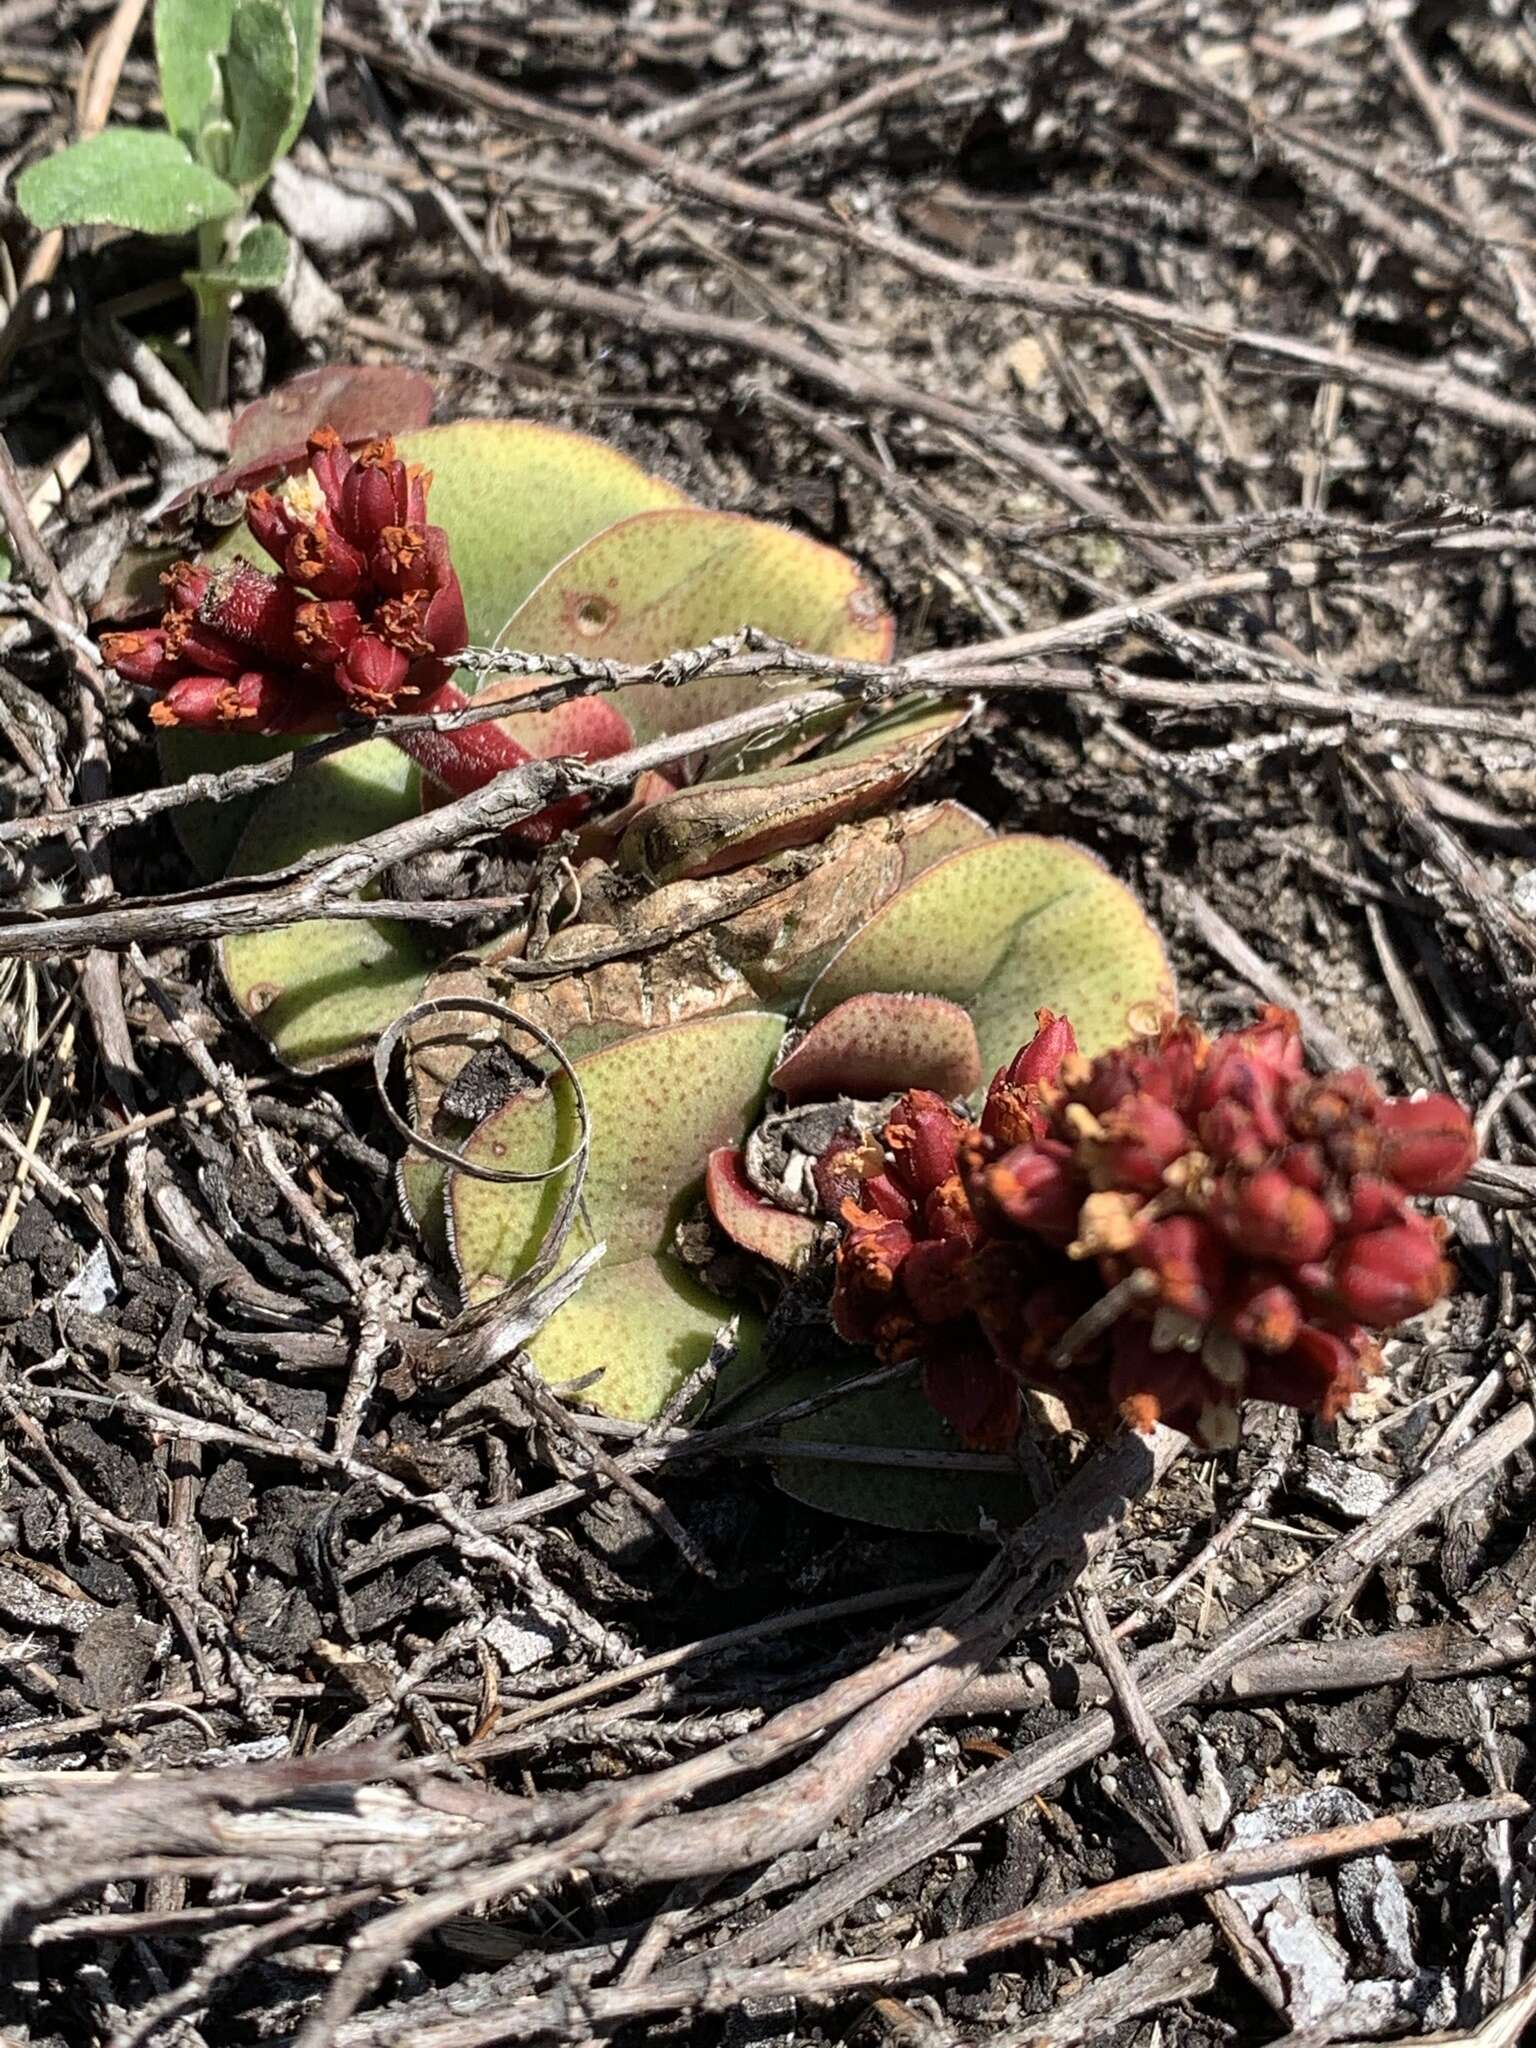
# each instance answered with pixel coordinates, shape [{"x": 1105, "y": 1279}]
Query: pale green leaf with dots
[
  {"x": 1005, "y": 929},
  {"x": 659, "y": 1106}
]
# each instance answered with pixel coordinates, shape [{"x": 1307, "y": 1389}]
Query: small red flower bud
[
  {"x": 1034, "y": 1187},
  {"x": 923, "y": 1135},
  {"x": 1368, "y": 1203},
  {"x": 879, "y": 1192},
  {"x": 1305, "y": 1166},
  {"x": 868, "y": 1262},
  {"x": 323, "y": 562},
  {"x": 1427, "y": 1143},
  {"x": 139, "y": 657},
  {"x": 1149, "y": 1387},
  {"x": 201, "y": 648},
  {"x": 1263, "y": 1311},
  {"x": 1234, "y": 1136},
  {"x": 374, "y": 495},
  {"x": 840, "y": 1172},
  {"x": 324, "y": 632},
  {"x": 1187, "y": 1258},
  {"x": 1321, "y": 1372},
  {"x": 447, "y": 632},
  {"x": 934, "y": 1279},
  {"x": 255, "y": 702},
  {"x": 271, "y": 523},
  {"x": 329, "y": 464},
  {"x": 1013, "y": 1116},
  {"x": 1267, "y": 1216},
  {"x": 200, "y": 703},
  {"x": 399, "y": 620},
  {"x": 1142, "y": 1138},
  {"x": 1383, "y": 1277},
  {"x": 947, "y": 1212},
  {"x": 1041, "y": 1059},
  {"x": 371, "y": 673},
  {"x": 399, "y": 562},
  {"x": 186, "y": 584}
]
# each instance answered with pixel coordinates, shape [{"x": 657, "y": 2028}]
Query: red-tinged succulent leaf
[
  {"x": 659, "y": 1105},
  {"x": 759, "y": 1227},
  {"x": 874, "y": 1045},
  {"x": 724, "y": 824},
  {"x": 361, "y": 401},
  {"x": 665, "y": 580}
]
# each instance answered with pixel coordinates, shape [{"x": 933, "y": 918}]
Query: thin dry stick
[
  {"x": 1005, "y": 1785},
  {"x": 1389, "y": 376},
  {"x": 1249, "y": 1953},
  {"x": 710, "y": 1987}
]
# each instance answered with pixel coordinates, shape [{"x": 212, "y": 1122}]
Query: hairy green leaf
[
  {"x": 138, "y": 178},
  {"x": 304, "y": 16},
  {"x": 190, "y": 38},
  {"x": 261, "y": 71},
  {"x": 259, "y": 264}
]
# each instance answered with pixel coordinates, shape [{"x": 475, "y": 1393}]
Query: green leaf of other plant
[
  {"x": 259, "y": 264},
  {"x": 304, "y": 15},
  {"x": 261, "y": 72},
  {"x": 136, "y": 178},
  {"x": 190, "y": 38},
  {"x": 659, "y": 1106}
]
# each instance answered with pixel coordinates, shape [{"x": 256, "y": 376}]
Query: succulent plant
[
  {"x": 339, "y": 598},
  {"x": 1142, "y": 1222},
  {"x": 963, "y": 926}
]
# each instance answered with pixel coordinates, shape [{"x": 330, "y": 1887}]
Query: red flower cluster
[
  {"x": 1160, "y": 1232},
  {"x": 363, "y": 617}
]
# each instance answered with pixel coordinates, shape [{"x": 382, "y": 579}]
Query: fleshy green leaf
[
  {"x": 878, "y": 1045},
  {"x": 261, "y": 71},
  {"x": 321, "y": 991},
  {"x": 718, "y": 825},
  {"x": 1002, "y": 929},
  {"x": 937, "y": 832},
  {"x": 659, "y": 1105},
  {"x": 901, "y": 1495},
  {"x": 136, "y": 178},
  {"x": 190, "y": 38},
  {"x": 671, "y": 579}
]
